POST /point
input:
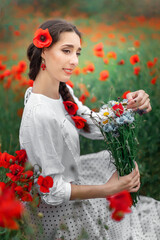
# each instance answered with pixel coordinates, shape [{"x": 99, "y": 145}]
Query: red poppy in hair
[
  {"x": 70, "y": 107},
  {"x": 42, "y": 38},
  {"x": 79, "y": 121}
]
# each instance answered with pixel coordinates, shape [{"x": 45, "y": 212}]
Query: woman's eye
[
  {"x": 66, "y": 51},
  {"x": 78, "y": 53}
]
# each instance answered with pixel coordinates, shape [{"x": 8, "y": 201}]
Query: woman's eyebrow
[{"x": 71, "y": 46}]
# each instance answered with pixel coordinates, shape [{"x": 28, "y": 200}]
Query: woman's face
[{"x": 62, "y": 58}]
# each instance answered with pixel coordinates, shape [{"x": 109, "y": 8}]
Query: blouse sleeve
[
  {"x": 41, "y": 138},
  {"x": 85, "y": 112}
]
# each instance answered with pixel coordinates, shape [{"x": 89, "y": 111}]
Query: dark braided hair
[{"x": 55, "y": 27}]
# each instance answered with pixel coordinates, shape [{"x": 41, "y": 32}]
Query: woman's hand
[
  {"x": 130, "y": 182},
  {"x": 139, "y": 101}
]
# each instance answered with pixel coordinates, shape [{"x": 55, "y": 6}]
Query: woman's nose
[{"x": 74, "y": 60}]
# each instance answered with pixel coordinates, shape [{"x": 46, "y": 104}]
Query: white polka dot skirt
[{"x": 91, "y": 219}]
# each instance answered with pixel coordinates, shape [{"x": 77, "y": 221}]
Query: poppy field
[{"x": 117, "y": 57}]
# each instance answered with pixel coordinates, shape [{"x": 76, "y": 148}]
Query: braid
[
  {"x": 66, "y": 95},
  {"x": 34, "y": 56}
]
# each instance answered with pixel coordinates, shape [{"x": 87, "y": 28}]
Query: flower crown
[{"x": 42, "y": 38}]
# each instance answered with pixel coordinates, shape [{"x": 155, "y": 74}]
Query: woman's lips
[{"x": 68, "y": 71}]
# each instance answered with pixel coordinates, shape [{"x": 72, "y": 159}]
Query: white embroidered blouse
[{"x": 51, "y": 140}]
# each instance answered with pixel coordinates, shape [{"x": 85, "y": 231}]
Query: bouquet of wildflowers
[{"x": 117, "y": 124}]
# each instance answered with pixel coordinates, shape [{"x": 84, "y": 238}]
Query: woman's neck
[{"x": 46, "y": 86}]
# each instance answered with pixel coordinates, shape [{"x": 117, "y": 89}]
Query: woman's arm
[{"x": 130, "y": 182}]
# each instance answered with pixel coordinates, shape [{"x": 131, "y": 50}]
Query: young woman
[{"x": 50, "y": 136}]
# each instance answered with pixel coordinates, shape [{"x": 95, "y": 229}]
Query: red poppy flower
[
  {"x": 70, "y": 83},
  {"x": 150, "y": 64},
  {"x": 6, "y": 160},
  {"x": 79, "y": 121},
  {"x": 104, "y": 75},
  {"x": 77, "y": 71},
  {"x": 11, "y": 209},
  {"x": 45, "y": 183},
  {"x": 2, "y": 186},
  {"x": 21, "y": 156},
  {"x": 124, "y": 96},
  {"x": 98, "y": 47},
  {"x": 2, "y": 67},
  {"x": 118, "y": 108},
  {"x": 90, "y": 67},
  {"x": 26, "y": 176},
  {"x": 16, "y": 171},
  {"x": 153, "y": 81},
  {"x": 137, "y": 43},
  {"x": 99, "y": 54},
  {"x": 22, "y": 66},
  {"x": 121, "y": 203},
  {"x": 82, "y": 98},
  {"x": 105, "y": 60},
  {"x": 137, "y": 70},
  {"x": 24, "y": 195},
  {"x": 93, "y": 99},
  {"x": 134, "y": 59},
  {"x": 42, "y": 38},
  {"x": 112, "y": 55},
  {"x": 121, "y": 62},
  {"x": 70, "y": 107}
]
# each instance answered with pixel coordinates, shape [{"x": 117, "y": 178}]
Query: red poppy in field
[
  {"x": 112, "y": 55},
  {"x": 2, "y": 186},
  {"x": 121, "y": 203},
  {"x": 45, "y": 183},
  {"x": 70, "y": 107},
  {"x": 93, "y": 99},
  {"x": 150, "y": 64},
  {"x": 11, "y": 209},
  {"x": 16, "y": 33},
  {"x": 24, "y": 195},
  {"x": 21, "y": 156},
  {"x": 99, "y": 54},
  {"x": 104, "y": 75},
  {"x": 111, "y": 35},
  {"x": 83, "y": 98},
  {"x": 16, "y": 171},
  {"x": 118, "y": 108},
  {"x": 98, "y": 47},
  {"x": 70, "y": 83},
  {"x": 154, "y": 80},
  {"x": 137, "y": 43},
  {"x": 26, "y": 176},
  {"x": 22, "y": 66},
  {"x": 7, "y": 84},
  {"x": 121, "y": 62},
  {"x": 105, "y": 60},
  {"x": 7, "y": 73},
  {"x": 2, "y": 67},
  {"x": 155, "y": 60},
  {"x": 134, "y": 59},
  {"x": 42, "y": 38},
  {"x": 20, "y": 112},
  {"x": 6, "y": 160},
  {"x": 123, "y": 39},
  {"x": 77, "y": 71},
  {"x": 124, "y": 96},
  {"x": 79, "y": 121},
  {"x": 90, "y": 67},
  {"x": 137, "y": 70}
]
